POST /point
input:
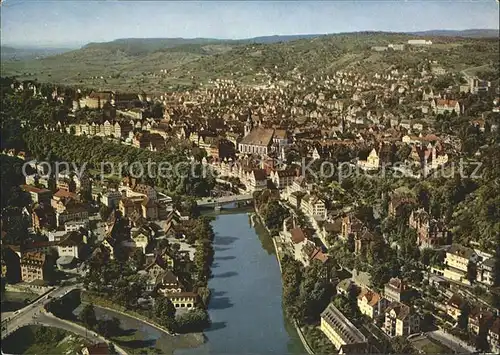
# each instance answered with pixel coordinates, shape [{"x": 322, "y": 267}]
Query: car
[{"x": 16, "y": 312}]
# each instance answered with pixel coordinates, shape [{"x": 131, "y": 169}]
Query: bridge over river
[{"x": 218, "y": 201}]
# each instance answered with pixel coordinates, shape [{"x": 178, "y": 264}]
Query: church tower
[{"x": 249, "y": 123}]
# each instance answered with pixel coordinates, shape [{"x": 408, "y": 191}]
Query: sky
[{"x": 75, "y": 23}]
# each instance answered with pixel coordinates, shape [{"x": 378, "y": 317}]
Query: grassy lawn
[{"x": 25, "y": 341}]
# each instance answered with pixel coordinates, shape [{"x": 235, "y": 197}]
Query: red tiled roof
[{"x": 298, "y": 235}]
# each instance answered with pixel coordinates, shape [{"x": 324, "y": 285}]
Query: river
[{"x": 245, "y": 307}]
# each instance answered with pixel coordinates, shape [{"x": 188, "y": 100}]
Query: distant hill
[
  {"x": 472, "y": 33},
  {"x": 159, "y": 64}
]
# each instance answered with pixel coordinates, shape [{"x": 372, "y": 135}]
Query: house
[
  {"x": 111, "y": 198},
  {"x": 363, "y": 241},
  {"x": 431, "y": 233},
  {"x": 455, "y": 306},
  {"x": 494, "y": 337},
  {"x": 168, "y": 283},
  {"x": 37, "y": 194},
  {"x": 458, "y": 257},
  {"x": 313, "y": 206},
  {"x": 400, "y": 320},
  {"x": 397, "y": 290},
  {"x": 149, "y": 209},
  {"x": 345, "y": 337},
  {"x": 140, "y": 240},
  {"x": 72, "y": 245},
  {"x": 372, "y": 162},
  {"x": 66, "y": 184},
  {"x": 441, "y": 106},
  {"x": 71, "y": 211},
  {"x": 371, "y": 303},
  {"x": 346, "y": 287},
  {"x": 109, "y": 244},
  {"x": 257, "y": 180},
  {"x": 480, "y": 320},
  {"x": 72, "y": 226},
  {"x": 351, "y": 226},
  {"x": 283, "y": 178},
  {"x": 295, "y": 199},
  {"x": 183, "y": 300},
  {"x": 485, "y": 271},
  {"x": 34, "y": 266},
  {"x": 43, "y": 217}
]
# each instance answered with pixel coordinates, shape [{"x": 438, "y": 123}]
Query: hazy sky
[{"x": 65, "y": 22}]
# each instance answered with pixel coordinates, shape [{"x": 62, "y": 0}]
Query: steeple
[{"x": 249, "y": 123}]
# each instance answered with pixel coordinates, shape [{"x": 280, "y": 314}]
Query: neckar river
[{"x": 245, "y": 307}]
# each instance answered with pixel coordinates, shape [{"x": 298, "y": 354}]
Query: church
[{"x": 257, "y": 140}]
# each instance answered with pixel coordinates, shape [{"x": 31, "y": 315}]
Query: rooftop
[{"x": 344, "y": 328}]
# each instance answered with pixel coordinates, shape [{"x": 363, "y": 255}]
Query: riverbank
[
  {"x": 246, "y": 304},
  {"x": 136, "y": 325},
  {"x": 253, "y": 218}
]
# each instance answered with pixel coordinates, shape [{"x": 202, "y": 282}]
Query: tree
[
  {"x": 401, "y": 345},
  {"x": 88, "y": 317},
  {"x": 109, "y": 327},
  {"x": 471, "y": 272},
  {"x": 138, "y": 258},
  {"x": 274, "y": 214},
  {"x": 196, "y": 320},
  {"x": 164, "y": 312}
]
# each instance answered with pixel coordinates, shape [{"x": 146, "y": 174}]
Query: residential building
[
  {"x": 485, "y": 271},
  {"x": 371, "y": 304},
  {"x": 494, "y": 337},
  {"x": 257, "y": 180},
  {"x": 372, "y": 162},
  {"x": 183, "y": 300},
  {"x": 480, "y": 321},
  {"x": 458, "y": 257},
  {"x": 34, "y": 266},
  {"x": 111, "y": 198},
  {"x": 455, "y": 306},
  {"x": 37, "y": 194},
  {"x": 397, "y": 290},
  {"x": 441, "y": 106},
  {"x": 345, "y": 337},
  {"x": 313, "y": 206},
  {"x": 400, "y": 320},
  {"x": 73, "y": 226},
  {"x": 431, "y": 233},
  {"x": 283, "y": 178},
  {"x": 43, "y": 217}
]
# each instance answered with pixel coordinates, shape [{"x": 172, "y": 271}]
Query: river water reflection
[{"x": 245, "y": 307}]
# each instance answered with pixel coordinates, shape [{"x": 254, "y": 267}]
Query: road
[
  {"x": 451, "y": 341},
  {"x": 25, "y": 315},
  {"x": 35, "y": 313}
]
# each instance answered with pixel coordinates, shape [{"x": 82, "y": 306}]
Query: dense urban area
[{"x": 370, "y": 161}]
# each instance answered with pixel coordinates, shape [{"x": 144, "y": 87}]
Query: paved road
[
  {"x": 35, "y": 313},
  {"x": 25, "y": 315}
]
